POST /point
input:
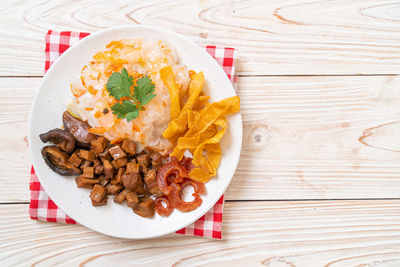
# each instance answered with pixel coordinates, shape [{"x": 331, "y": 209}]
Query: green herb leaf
[
  {"x": 127, "y": 109},
  {"x": 119, "y": 84},
  {"x": 143, "y": 91}
]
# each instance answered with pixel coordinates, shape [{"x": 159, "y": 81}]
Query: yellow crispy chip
[
  {"x": 191, "y": 143},
  {"x": 167, "y": 76},
  {"x": 192, "y": 117},
  {"x": 198, "y": 153},
  {"x": 178, "y": 125},
  {"x": 205, "y": 125},
  {"x": 201, "y": 175},
  {"x": 188, "y": 142},
  {"x": 208, "y": 166},
  {"x": 210, "y": 114},
  {"x": 201, "y": 102}
]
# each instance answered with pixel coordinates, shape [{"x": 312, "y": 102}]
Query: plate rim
[{"x": 71, "y": 49}]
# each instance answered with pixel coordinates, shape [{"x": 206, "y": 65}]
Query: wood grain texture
[
  {"x": 273, "y": 37},
  {"x": 304, "y": 138},
  {"x": 286, "y": 234}
]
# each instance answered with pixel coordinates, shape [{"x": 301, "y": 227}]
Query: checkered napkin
[{"x": 44, "y": 209}]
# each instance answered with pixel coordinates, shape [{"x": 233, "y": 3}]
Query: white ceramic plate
[{"x": 113, "y": 219}]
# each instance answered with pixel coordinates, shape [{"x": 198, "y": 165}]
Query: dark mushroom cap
[
  {"x": 57, "y": 160},
  {"x": 60, "y": 137},
  {"x": 79, "y": 129}
]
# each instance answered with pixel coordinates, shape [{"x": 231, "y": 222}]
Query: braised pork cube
[
  {"x": 103, "y": 202},
  {"x": 98, "y": 193},
  {"x": 144, "y": 208},
  {"x": 113, "y": 189},
  {"x": 120, "y": 198},
  {"x": 118, "y": 163},
  {"x": 108, "y": 169},
  {"x": 103, "y": 181},
  {"x": 85, "y": 163},
  {"x": 75, "y": 160},
  {"x": 144, "y": 161},
  {"x": 155, "y": 158},
  {"x": 131, "y": 199},
  {"x": 132, "y": 168},
  {"x": 141, "y": 190},
  {"x": 105, "y": 155},
  {"x": 88, "y": 172},
  {"x": 150, "y": 179},
  {"x": 99, "y": 144},
  {"x": 83, "y": 182},
  {"x": 98, "y": 167},
  {"x": 129, "y": 147},
  {"x": 116, "y": 152},
  {"x": 86, "y": 154},
  {"x": 118, "y": 177},
  {"x": 131, "y": 180}
]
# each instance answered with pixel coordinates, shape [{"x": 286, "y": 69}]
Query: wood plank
[
  {"x": 273, "y": 37},
  {"x": 301, "y": 138},
  {"x": 279, "y": 233}
]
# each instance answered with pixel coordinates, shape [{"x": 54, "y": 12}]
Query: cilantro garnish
[{"x": 119, "y": 85}]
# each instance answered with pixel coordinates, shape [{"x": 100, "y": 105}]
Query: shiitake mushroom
[
  {"x": 62, "y": 138},
  {"x": 79, "y": 129},
  {"x": 57, "y": 160}
]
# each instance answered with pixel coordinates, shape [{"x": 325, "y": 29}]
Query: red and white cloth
[{"x": 44, "y": 209}]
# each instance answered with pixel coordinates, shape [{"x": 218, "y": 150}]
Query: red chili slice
[
  {"x": 176, "y": 195},
  {"x": 170, "y": 171},
  {"x": 161, "y": 210}
]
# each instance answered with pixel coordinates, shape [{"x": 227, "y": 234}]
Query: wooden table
[{"x": 318, "y": 183}]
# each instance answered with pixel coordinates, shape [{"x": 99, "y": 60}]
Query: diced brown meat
[
  {"x": 131, "y": 180},
  {"x": 155, "y": 158},
  {"x": 103, "y": 181},
  {"x": 116, "y": 152},
  {"x": 75, "y": 160},
  {"x": 131, "y": 199},
  {"x": 86, "y": 163},
  {"x": 141, "y": 190},
  {"x": 144, "y": 161},
  {"x": 118, "y": 163},
  {"x": 98, "y": 167},
  {"x": 118, "y": 177},
  {"x": 113, "y": 189},
  {"x": 103, "y": 202},
  {"x": 132, "y": 168},
  {"x": 98, "y": 193},
  {"x": 83, "y": 182},
  {"x": 86, "y": 154},
  {"x": 108, "y": 169},
  {"x": 105, "y": 154},
  {"x": 132, "y": 160},
  {"x": 150, "y": 179},
  {"x": 129, "y": 147},
  {"x": 120, "y": 198},
  {"x": 144, "y": 208},
  {"x": 99, "y": 144},
  {"x": 88, "y": 172}
]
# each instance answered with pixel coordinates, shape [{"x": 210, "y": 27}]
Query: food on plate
[{"x": 140, "y": 128}]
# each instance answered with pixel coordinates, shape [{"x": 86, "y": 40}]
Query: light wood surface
[
  {"x": 273, "y": 37},
  {"x": 320, "y": 98},
  {"x": 285, "y": 234},
  {"x": 301, "y": 138}
]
